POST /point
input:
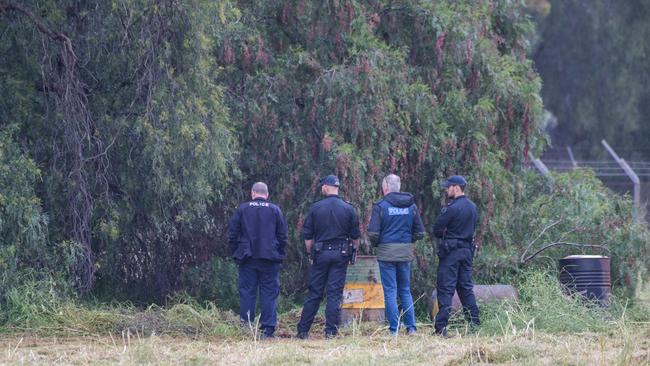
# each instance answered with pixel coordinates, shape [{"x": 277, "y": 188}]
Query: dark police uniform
[
  {"x": 331, "y": 223},
  {"x": 455, "y": 227},
  {"x": 258, "y": 237}
]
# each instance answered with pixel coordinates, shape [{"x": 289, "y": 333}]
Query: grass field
[
  {"x": 631, "y": 347},
  {"x": 544, "y": 327}
]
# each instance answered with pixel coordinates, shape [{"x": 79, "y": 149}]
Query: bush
[
  {"x": 215, "y": 281},
  {"x": 576, "y": 209},
  {"x": 543, "y": 306},
  {"x": 580, "y": 210},
  {"x": 28, "y": 260}
]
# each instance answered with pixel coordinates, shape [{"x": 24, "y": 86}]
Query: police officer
[
  {"x": 258, "y": 237},
  {"x": 455, "y": 228},
  {"x": 330, "y": 229},
  {"x": 395, "y": 224}
]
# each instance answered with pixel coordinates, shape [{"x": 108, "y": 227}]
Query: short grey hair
[
  {"x": 260, "y": 188},
  {"x": 393, "y": 182}
]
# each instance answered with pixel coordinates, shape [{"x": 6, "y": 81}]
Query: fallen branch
[
  {"x": 524, "y": 260},
  {"x": 537, "y": 238}
]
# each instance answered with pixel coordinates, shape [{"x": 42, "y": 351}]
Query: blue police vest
[{"x": 396, "y": 223}]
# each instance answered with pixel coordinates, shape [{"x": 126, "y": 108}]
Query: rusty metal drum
[{"x": 363, "y": 295}]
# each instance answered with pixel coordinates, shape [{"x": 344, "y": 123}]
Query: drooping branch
[
  {"x": 80, "y": 139},
  {"x": 550, "y": 245},
  {"x": 6, "y": 6},
  {"x": 525, "y": 259},
  {"x": 523, "y": 255}
]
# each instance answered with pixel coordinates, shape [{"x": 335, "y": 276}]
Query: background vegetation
[
  {"x": 130, "y": 129},
  {"x": 592, "y": 57}
]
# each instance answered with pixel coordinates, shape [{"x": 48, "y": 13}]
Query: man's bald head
[
  {"x": 260, "y": 190},
  {"x": 391, "y": 183}
]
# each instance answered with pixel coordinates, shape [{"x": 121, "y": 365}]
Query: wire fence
[{"x": 621, "y": 176}]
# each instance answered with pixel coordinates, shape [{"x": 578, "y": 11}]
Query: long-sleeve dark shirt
[
  {"x": 457, "y": 220},
  {"x": 330, "y": 220}
]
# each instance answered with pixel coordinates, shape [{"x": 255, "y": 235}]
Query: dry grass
[
  {"x": 544, "y": 328},
  {"x": 627, "y": 347}
]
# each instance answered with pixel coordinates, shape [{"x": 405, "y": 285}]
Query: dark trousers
[
  {"x": 326, "y": 275},
  {"x": 264, "y": 275},
  {"x": 455, "y": 274}
]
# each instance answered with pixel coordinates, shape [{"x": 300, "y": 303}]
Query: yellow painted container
[{"x": 363, "y": 295}]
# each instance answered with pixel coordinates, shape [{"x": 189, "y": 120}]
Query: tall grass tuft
[{"x": 543, "y": 306}]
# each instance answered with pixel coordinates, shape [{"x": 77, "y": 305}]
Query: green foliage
[
  {"x": 577, "y": 209},
  {"x": 216, "y": 281},
  {"x": 543, "y": 306},
  {"x": 23, "y": 226},
  {"x": 153, "y": 195},
  {"x": 361, "y": 90},
  {"x": 37, "y": 303},
  {"x": 39, "y": 307},
  {"x": 25, "y": 252},
  {"x": 584, "y": 212},
  {"x": 174, "y": 153},
  {"x": 185, "y": 104}
]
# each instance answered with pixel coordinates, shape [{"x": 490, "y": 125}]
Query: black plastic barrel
[{"x": 588, "y": 275}]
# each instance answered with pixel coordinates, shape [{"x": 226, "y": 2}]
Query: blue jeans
[{"x": 396, "y": 280}]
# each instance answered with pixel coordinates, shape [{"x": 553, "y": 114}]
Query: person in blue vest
[
  {"x": 455, "y": 228},
  {"x": 257, "y": 234},
  {"x": 330, "y": 231},
  {"x": 394, "y": 225}
]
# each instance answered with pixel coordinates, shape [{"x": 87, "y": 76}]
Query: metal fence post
[
  {"x": 542, "y": 169},
  {"x": 633, "y": 177},
  {"x": 573, "y": 160}
]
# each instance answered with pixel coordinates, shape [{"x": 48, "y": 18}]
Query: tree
[
  {"x": 363, "y": 89},
  {"x": 117, "y": 101}
]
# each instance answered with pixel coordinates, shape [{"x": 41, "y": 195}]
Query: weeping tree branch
[
  {"x": 6, "y": 7},
  {"x": 80, "y": 138}
]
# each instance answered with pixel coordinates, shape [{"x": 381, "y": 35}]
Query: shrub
[
  {"x": 26, "y": 255},
  {"x": 214, "y": 281},
  {"x": 543, "y": 306}
]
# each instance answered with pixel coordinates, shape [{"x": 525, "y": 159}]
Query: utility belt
[
  {"x": 463, "y": 243},
  {"x": 447, "y": 245},
  {"x": 332, "y": 245},
  {"x": 344, "y": 246}
]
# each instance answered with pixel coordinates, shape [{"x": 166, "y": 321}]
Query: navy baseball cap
[
  {"x": 454, "y": 180},
  {"x": 330, "y": 180}
]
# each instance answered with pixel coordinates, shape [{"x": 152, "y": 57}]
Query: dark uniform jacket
[
  {"x": 457, "y": 220},
  {"x": 331, "y": 220},
  {"x": 257, "y": 230},
  {"x": 395, "y": 224}
]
